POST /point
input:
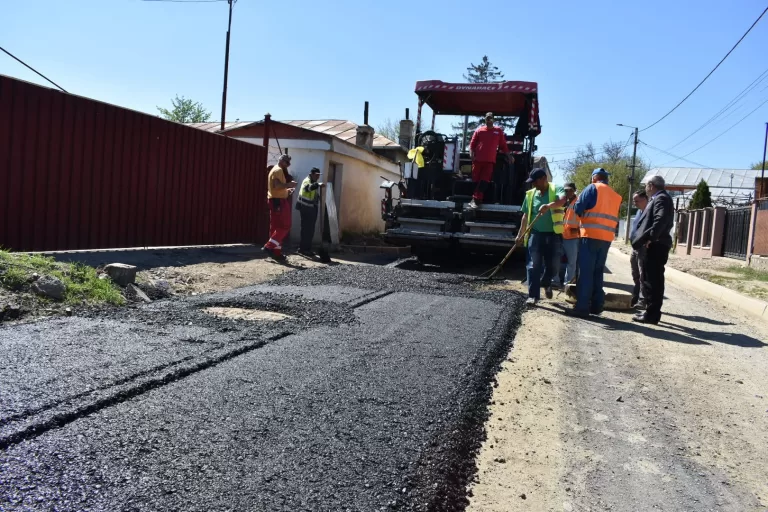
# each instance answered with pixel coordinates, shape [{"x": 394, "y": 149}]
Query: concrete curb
[
  {"x": 734, "y": 300},
  {"x": 376, "y": 249}
]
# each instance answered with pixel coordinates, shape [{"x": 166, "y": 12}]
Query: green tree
[
  {"x": 702, "y": 197},
  {"x": 614, "y": 159},
  {"x": 390, "y": 129},
  {"x": 185, "y": 111},
  {"x": 483, "y": 73},
  {"x": 759, "y": 165}
]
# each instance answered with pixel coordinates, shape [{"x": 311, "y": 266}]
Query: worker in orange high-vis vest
[
  {"x": 280, "y": 186},
  {"x": 598, "y": 206},
  {"x": 571, "y": 232}
]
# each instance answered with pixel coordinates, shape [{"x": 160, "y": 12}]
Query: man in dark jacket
[{"x": 654, "y": 234}]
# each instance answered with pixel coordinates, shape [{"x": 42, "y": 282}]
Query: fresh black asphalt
[{"x": 372, "y": 398}]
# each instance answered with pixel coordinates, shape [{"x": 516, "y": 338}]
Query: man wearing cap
[
  {"x": 486, "y": 142},
  {"x": 571, "y": 232},
  {"x": 307, "y": 203},
  {"x": 598, "y": 206},
  {"x": 280, "y": 186},
  {"x": 545, "y": 242}
]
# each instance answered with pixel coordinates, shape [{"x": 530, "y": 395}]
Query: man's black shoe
[
  {"x": 641, "y": 318},
  {"x": 576, "y": 313},
  {"x": 268, "y": 251},
  {"x": 596, "y": 312},
  {"x": 308, "y": 254},
  {"x": 548, "y": 292}
]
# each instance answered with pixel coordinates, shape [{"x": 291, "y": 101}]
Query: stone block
[
  {"x": 48, "y": 286},
  {"x": 121, "y": 274},
  {"x": 617, "y": 300}
]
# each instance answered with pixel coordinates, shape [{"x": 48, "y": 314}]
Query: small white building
[{"x": 353, "y": 158}]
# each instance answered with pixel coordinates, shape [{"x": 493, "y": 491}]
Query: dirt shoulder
[
  {"x": 728, "y": 272},
  {"x": 611, "y": 415}
]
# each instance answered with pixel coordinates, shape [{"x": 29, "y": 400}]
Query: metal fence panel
[
  {"x": 736, "y": 237},
  {"x": 80, "y": 174}
]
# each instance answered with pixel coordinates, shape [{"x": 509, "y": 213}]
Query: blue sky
[{"x": 597, "y": 62}]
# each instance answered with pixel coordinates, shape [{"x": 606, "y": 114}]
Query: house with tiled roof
[{"x": 352, "y": 157}]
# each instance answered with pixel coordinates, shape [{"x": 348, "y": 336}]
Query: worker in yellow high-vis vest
[
  {"x": 545, "y": 242},
  {"x": 307, "y": 204}
]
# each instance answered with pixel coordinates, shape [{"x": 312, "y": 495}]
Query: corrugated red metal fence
[{"x": 81, "y": 174}]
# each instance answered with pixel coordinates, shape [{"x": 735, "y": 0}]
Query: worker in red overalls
[
  {"x": 485, "y": 143},
  {"x": 280, "y": 186}
]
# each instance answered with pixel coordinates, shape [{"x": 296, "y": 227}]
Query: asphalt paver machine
[{"x": 432, "y": 212}]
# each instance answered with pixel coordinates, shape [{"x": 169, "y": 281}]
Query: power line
[
  {"x": 710, "y": 73},
  {"x": 675, "y": 156},
  {"x": 726, "y": 131},
  {"x": 730, "y": 104},
  {"x": 595, "y": 155},
  {"x": 33, "y": 69}
]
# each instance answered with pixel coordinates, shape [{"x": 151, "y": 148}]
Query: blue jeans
[
  {"x": 545, "y": 251},
  {"x": 571, "y": 250},
  {"x": 590, "y": 296}
]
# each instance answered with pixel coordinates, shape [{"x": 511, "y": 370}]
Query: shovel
[{"x": 495, "y": 270}]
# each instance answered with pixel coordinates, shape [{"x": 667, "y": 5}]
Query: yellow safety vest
[
  {"x": 557, "y": 213},
  {"x": 308, "y": 197}
]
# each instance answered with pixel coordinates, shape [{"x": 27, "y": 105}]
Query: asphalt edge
[
  {"x": 730, "y": 298},
  {"x": 448, "y": 487}
]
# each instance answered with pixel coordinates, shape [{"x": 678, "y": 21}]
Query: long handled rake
[{"x": 495, "y": 270}]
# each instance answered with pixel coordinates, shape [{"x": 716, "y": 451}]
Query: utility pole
[
  {"x": 631, "y": 184},
  {"x": 226, "y": 69},
  {"x": 762, "y": 173}
]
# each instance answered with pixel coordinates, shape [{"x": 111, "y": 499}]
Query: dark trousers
[
  {"x": 636, "y": 261},
  {"x": 590, "y": 297},
  {"x": 545, "y": 251},
  {"x": 656, "y": 256},
  {"x": 308, "y": 220}
]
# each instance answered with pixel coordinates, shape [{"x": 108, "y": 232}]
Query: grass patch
[
  {"x": 749, "y": 273},
  {"x": 82, "y": 282}
]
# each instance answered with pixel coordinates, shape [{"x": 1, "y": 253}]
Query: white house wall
[
  {"x": 360, "y": 200},
  {"x": 360, "y": 205}
]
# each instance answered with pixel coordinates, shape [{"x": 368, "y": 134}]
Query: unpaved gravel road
[{"x": 609, "y": 415}]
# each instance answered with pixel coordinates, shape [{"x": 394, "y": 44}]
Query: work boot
[
  {"x": 642, "y": 318},
  {"x": 576, "y": 313},
  {"x": 531, "y": 301},
  {"x": 548, "y": 292},
  {"x": 269, "y": 252},
  {"x": 307, "y": 252}
]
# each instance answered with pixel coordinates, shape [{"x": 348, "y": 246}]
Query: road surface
[
  {"x": 609, "y": 415},
  {"x": 372, "y": 397}
]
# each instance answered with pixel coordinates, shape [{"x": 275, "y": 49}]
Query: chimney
[
  {"x": 364, "y": 137},
  {"x": 406, "y": 131},
  {"x": 365, "y": 133}
]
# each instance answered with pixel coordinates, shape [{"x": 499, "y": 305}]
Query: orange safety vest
[
  {"x": 571, "y": 222},
  {"x": 600, "y": 222}
]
